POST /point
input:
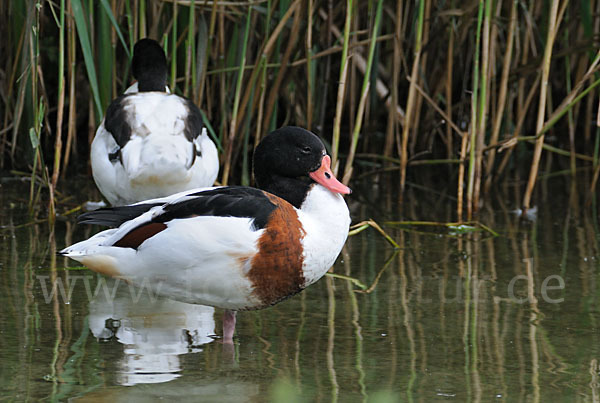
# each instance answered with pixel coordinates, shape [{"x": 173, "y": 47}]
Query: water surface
[{"x": 452, "y": 314}]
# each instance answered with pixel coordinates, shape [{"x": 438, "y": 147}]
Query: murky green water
[{"x": 467, "y": 317}]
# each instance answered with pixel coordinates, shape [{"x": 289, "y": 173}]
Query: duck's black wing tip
[{"x": 114, "y": 216}]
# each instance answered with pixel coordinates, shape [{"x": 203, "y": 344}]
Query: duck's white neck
[
  {"x": 326, "y": 220},
  {"x": 321, "y": 201}
]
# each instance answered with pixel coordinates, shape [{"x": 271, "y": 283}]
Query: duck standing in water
[
  {"x": 151, "y": 143},
  {"x": 235, "y": 247}
]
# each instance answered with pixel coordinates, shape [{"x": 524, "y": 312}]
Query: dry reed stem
[
  {"x": 337, "y": 120},
  {"x": 265, "y": 53},
  {"x": 393, "y": 120},
  {"x": 188, "y": 51},
  {"x": 61, "y": 98},
  {"x": 461, "y": 177},
  {"x": 261, "y": 107},
  {"x": 71, "y": 138},
  {"x": 519, "y": 125},
  {"x": 291, "y": 44},
  {"x": 337, "y": 49},
  {"x": 525, "y": 54},
  {"x": 594, "y": 182},
  {"x": 15, "y": 119},
  {"x": 204, "y": 67},
  {"x": 537, "y": 153},
  {"x": 309, "y": 81},
  {"x": 483, "y": 105},
  {"x": 570, "y": 98},
  {"x": 20, "y": 105},
  {"x": 359, "y": 116},
  {"x": 449, "y": 70},
  {"x": 598, "y": 115},
  {"x": 503, "y": 91},
  {"x": 439, "y": 110},
  {"x": 475, "y": 111},
  {"x": 224, "y": 3},
  {"x": 410, "y": 104},
  {"x": 234, "y": 117},
  {"x": 173, "y": 49},
  {"x": 416, "y": 117},
  {"x": 364, "y": 94}
]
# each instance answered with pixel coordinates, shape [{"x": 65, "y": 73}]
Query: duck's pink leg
[{"x": 228, "y": 325}]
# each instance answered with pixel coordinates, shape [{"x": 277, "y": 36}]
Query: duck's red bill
[{"x": 325, "y": 177}]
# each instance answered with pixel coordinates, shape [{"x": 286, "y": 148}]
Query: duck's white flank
[{"x": 192, "y": 260}]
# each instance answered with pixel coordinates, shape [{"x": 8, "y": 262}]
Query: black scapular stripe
[
  {"x": 232, "y": 201},
  {"x": 115, "y": 216},
  {"x": 115, "y": 121},
  {"x": 193, "y": 121}
]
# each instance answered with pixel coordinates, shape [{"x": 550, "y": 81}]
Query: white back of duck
[{"x": 151, "y": 143}]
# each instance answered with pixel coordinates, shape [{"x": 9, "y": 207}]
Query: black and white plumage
[
  {"x": 151, "y": 143},
  {"x": 233, "y": 247}
]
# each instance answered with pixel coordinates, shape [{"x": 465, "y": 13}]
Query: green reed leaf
[{"x": 86, "y": 49}]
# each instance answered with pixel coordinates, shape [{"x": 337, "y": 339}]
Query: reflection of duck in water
[
  {"x": 233, "y": 247},
  {"x": 154, "y": 330}
]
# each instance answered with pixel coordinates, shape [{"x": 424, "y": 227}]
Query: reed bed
[{"x": 485, "y": 90}]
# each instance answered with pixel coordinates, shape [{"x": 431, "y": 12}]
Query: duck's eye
[{"x": 306, "y": 150}]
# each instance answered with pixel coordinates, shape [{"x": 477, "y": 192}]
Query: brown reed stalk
[
  {"x": 234, "y": 118},
  {"x": 497, "y": 123},
  {"x": 381, "y": 88},
  {"x": 71, "y": 142},
  {"x": 337, "y": 121},
  {"x": 573, "y": 95},
  {"x": 410, "y": 104},
  {"x": 449, "y": 82},
  {"x": 291, "y": 43},
  {"x": 363, "y": 95},
  {"x": 309, "y": 72},
  {"x": 461, "y": 177},
  {"x": 475, "y": 110},
  {"x": 422, "y": 68},
  {"x": 439, "y": 110},
  {"x": 393, "y": 121},
  {"x": 207, "y": 53},
  {"x": 482, "y": 108},
  {"x": 61, "y": 96},
  {"x": 262, "y": 70},
  {"x": 537, "y": 153},
  {"x": 520, "y": 121},
  {"x": 14, "y": 116},
  {"x": 265, "y": 53},
  {"x": 173, "y": 47},
  {"x": 22, "y": 89},
  {"x": 351, "y": 91},
  {"x": 189, "y": 65},
  {"x": 524, "y": 45}
]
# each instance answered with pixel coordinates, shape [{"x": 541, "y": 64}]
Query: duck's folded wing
[
  {"x": 231, "y": 201},
  {"x": 141, "y": 221},
  {"x": 115, "y": 216}
]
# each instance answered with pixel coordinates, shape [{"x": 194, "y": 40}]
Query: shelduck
[
  {"x": 237, "y": 248},
  {"x": 151, "y": 143}
]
